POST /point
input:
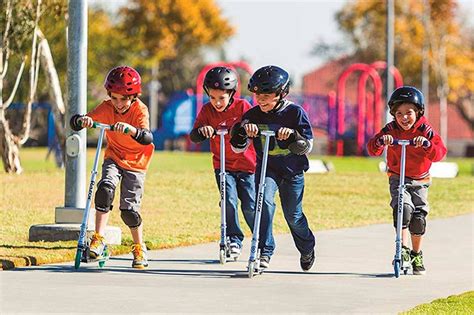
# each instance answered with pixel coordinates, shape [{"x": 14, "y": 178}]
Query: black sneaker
[
  {"x": 307, "y": 261},
  {"x": 264, "y": 262},
  {"x": 417, "y": 263}
]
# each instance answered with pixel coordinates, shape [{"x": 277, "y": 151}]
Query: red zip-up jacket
[{"x": 418, "y": 160}]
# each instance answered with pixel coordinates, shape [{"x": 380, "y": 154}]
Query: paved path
[{"x": 353, "y": 274}]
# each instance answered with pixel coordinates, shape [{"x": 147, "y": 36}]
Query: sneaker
[
  {"x": 139, "y": 256},
  {"x": 235, "y": 249},
  {"x": 406, "y": 259},
  {"x": 97, "y": 246},
  {"x": 417, "y": 263},
  {"x": 307, "y": 261},
  {"x": 264, "y": 262}
]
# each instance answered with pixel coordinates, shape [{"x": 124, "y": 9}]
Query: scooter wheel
[
  {"x": 405, "y": 272},
  {"x": 396, "y": 267},
  {"x": 251, "y": 270},
  {"x": 77, "y": 261},
  {"x": 222, "y": 256}
]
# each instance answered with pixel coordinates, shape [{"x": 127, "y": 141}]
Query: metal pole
[
  {"x": 425, "y": 75},
  {"x": 75, "y": 193},
  {"x": 390, "y": 60},
  {"x": 154, "y": 88},
  {"x": 390, "y": 54}
]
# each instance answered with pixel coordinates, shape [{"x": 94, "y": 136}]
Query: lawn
[
  {"x": 454, "y": 304},
  {"x": 180, "y": 205}
]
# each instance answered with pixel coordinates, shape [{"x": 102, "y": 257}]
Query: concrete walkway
[{"x": 353, "y": 274}]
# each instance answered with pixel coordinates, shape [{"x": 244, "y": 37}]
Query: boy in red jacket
[
  {"x": 223, "y": 111},
  {"x": 407, "y": 107}
]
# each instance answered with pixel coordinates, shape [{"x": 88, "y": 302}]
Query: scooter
[
  {"x": 397, "y": 260},
  {"x": 224, "y": 244},
  {"x": 253, "y": 267},
  {"x": 83, "y": 244}
]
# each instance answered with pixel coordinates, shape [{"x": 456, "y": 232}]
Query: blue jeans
[
  {"x": 239, "y": 185},
  {"x": 291, "y": 195}
]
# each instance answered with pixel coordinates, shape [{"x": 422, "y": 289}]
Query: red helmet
[{"x": 123, "y": 80}]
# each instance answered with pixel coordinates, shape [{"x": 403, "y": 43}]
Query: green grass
[
  {"x": 180, "y": 205},
  {"x": 452, "y": 305}
]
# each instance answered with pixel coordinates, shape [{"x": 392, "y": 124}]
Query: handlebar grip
[{"x": 425, "y": 144}]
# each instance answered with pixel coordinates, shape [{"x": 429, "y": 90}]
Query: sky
[{"x": 280, "y": 32}]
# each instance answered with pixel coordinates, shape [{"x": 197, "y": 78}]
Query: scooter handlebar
[
  {"x": 102, "y": 126},
  {"x": 426, "y": 143},
  {"x": 96, "y": 124}
]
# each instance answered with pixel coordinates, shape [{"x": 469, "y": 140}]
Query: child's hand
[
  {"x": 125, "y": 128},
  {"x": 251, "y": 130},
  {"x": 385, "y": 140},
  {"x": 284, "y": 133},
  {"x": 85, "y": 122},
  {"x": 207, "y": 131},
  {"x": 418, "y": 141}
]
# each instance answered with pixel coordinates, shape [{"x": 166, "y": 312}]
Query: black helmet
[
  {"x": 220, "y": 78},
  {"x": 407, "y": 94},
  {"x": 270, "y": 79}
]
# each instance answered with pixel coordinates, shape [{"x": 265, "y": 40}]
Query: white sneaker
[{"x": 235, "y": 249}]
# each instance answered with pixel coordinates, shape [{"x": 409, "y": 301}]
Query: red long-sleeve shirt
[
  {"x": 418, "y": 160},
  {"x": 208, "y": 116}
]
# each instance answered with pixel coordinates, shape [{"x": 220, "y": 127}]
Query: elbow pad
[
  {"x": 143, "y": 136},
  {"x": 238, "y": 136},
  {"x": 74, "y": 123},
  {"x": 196, "y": 136},
  {"x": 299, "y": 145}
]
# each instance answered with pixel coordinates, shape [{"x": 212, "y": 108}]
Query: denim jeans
[
  {"x": 291, "y": 192},
  {"x": 239, "y": 185}
]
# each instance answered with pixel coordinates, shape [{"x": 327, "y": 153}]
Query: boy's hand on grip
[
  {"x": 207, "y": 131},
  {"x": 421, "y": 141},
  {"x": 251, "y": 130},
  {"x": 125, "y": 128},
  {"x": 284, "y": 133},
  {"x": 85, "y": 122},
  {"x": 385, "y": 140}
]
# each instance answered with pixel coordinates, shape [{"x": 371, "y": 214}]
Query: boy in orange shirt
[{"x": 127, "y": 156}]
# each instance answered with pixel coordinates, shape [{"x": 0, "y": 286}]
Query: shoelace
[
  {"x": 418, "y": 261},
  {"x": 96, "y": 240},
  {"x": 137, "y": 251}
]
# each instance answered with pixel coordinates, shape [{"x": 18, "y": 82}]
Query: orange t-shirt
[{"x": 122, "y": 148}]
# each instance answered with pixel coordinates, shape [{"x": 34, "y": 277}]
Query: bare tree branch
[{"x": 17, "y": 83}]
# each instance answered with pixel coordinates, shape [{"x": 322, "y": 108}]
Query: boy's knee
[
  {"x": 418, "y": 223},
  {"x": 131, "y": 218},
  {"x": 104, "y": 196}
]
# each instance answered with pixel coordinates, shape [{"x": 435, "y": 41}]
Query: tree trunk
[
  {"x": 55, "y": 93},
  {"x": 8, "y": 147}
]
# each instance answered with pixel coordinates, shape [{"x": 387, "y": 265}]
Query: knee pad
[
  {"x": 418, "y": 223},
  {"x": 104, "y": 196},
  {"x": 131, "y": 218},
  {"x": 407, "y": 211}
]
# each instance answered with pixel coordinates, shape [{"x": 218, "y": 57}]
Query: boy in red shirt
[
  {"x": 407, "y": 107},
  {"x": 223, "y": 111},
  {"x": 127, "y": 156}
]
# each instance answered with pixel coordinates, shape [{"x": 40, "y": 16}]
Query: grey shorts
[
  {"x": 131, "y": 184},
  {"x": 416, "y": 193}
]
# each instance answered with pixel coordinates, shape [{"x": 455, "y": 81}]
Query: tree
[
  {"x": 20, "y": 38},
  {"x": 17, "y": 22},
  {"x": 170, "y": 34},
  {"x": 451, "y": 55}
]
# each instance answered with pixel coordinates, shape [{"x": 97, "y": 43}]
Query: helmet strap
[{"x": 231, "y": 100}]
